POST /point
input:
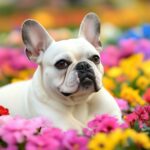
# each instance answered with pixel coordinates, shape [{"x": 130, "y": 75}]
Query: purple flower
[{"x": 143, "y": 46}]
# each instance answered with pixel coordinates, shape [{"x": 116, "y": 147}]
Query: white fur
[{"x": 41, "y": 96}]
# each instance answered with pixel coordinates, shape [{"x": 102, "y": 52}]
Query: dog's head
[{"x": 70, "y": 68}]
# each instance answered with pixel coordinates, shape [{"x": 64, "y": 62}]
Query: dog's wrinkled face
[{"x": 71, "y": 67}]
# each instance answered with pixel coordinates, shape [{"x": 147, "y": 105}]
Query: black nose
[
  {"x": 86, "y": 75},
  {"x": 83, "y": 66}
]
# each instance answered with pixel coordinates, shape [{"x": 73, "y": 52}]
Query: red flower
[
  {"x": 3, "y": 111},
  {"x": 146, "y": 95}
]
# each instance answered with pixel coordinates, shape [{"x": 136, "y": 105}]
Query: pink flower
[
  {"x": 110, "y": 56},
  {"x": 131, "y": 117},
  {"x": 127, "y": 47},
  {"x": 16, "y": 130},
  {"x": 72, "y": 141},
  {"x": 101, "y": 123},
  {"x": 140, "y": 114},
  {"x": 15, "y": 59},
  {"x": 123, "y": 105},
  {"x": 49, "y": 139}
]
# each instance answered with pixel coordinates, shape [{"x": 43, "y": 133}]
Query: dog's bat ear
[
  {"x": 36, "y": 39},
  {"x": 90, "y": 30}
]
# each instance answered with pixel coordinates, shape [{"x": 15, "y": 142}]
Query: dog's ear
[
  {"x": 36, "y": 39},
  {"x": 90, "y": 30}
]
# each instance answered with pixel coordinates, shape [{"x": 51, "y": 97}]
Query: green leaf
[{"x": 136, "y": 126}]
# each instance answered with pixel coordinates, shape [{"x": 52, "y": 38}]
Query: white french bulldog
[{"x": 67, "y": 85}]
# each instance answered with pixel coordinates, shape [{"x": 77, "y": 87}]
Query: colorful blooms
[
  {"x": 118, "y": 139},
  {"x": 3, "y": 111},
  {"x": 140, "y": 115},
  {"x": 123, "y": 104},
  {"x": 142, "y": 82},
  {"x": 37, "y": 133},
  {"x": 14, "y": 65},
  {"x": 103, "y": 123},
  {"x": 132, "y": 96},
  {"x": 127, "y": 77},
  {"x": 146, "y": 95}
]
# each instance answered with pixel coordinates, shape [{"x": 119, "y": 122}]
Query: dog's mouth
[
  {"x": 86, "y": 84},
  {"x": 66, "y": 94},
  {"x": 84, "y": 81}
]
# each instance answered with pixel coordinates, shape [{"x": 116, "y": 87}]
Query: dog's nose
[
  {"x": 86, "y": 75},
  {"x": 82, "y": 66}
]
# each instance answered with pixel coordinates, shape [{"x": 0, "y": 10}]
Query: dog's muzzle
[{"x": 86, "y": 75}]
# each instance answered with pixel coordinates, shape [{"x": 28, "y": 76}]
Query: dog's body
[{"x": 67, "y": 85}]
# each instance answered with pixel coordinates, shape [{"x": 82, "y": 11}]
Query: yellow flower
[
  {"x": 115, "y": 137},
  {"x": 114, "y": 72},
  {"x": 130, "y": 66},
  {"x": 109, "y": 83},
  {"x": 99, "y": 142},
  {"x": 145, "y": 68},
  {"x": 133, "y": 61},
  {"x": 143, "y": 140},
  {"x": 131, "y": 95},
  {"x": 142, "y": 82},
  {"x": 110, "y": 141},
  {"x": 140, "y": 139},
  {"x": 128, "y": 133}
]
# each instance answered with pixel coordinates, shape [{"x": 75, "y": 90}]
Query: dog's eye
[
  {"x": 62, "y": 64},
  {"x": 95, "y": 59}
]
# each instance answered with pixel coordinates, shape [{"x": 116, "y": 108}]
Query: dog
[{"x": 67, "y": 86}]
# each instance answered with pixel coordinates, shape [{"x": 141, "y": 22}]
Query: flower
[
  {"x": 16, "y": 130},
  {"x": 101, "y": 123},
  {"x": 119, "y": 139},
  {"x": 146, "y": 95},
  {"x": 123, "y": 105},
  {"x": 114, "y": 72},
  {"x": 3, "y": 111},
  {"x": 132, "y": 96},
  {"x": 72, "y": 140},
  {"x": 142, "y": 82},
  {"x": 49, "y": 139},
  {"x": 127, "y": 47},
  {"x": 141, "y": 115},
  {"x": 110, "y": 52},
  {"x": 140, "y": 140},
  {"x": 99, "y": 142},
  {"x": 143, "y": 47},
  {"x": 109, "y": 83},
  {"x": 135, "y": 61}
]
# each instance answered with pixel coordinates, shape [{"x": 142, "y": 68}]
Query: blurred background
[
  {"x": 62, "y": 17},
  {"x": 125, "y": 29}
]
